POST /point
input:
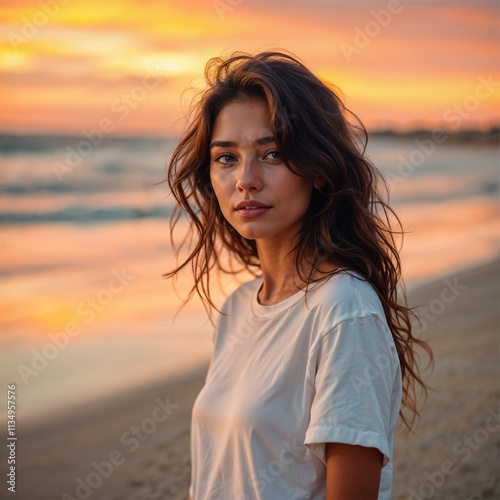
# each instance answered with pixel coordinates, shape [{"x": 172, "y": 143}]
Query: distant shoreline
[
  {"x": 491, "y": 136},
  {"x": 11, "y": 142}
]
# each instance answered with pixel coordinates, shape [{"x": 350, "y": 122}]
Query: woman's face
[{"x": 258, "y": 195}]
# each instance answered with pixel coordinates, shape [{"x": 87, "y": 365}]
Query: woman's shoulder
[{"x": 345, "y": 295}]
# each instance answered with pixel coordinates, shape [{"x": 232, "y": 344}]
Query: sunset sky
[{"x": 69, "y": 66}]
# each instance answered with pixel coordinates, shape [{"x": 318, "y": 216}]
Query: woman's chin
[{"x": 254, "y": 233}]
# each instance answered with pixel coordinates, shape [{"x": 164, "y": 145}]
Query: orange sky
[{"x": 121, "y": 65}]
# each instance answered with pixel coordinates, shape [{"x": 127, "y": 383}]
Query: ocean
[{"x": 84, "y": 239}]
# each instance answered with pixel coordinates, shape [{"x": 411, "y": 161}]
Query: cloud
[{"x": 88, "y": 53}]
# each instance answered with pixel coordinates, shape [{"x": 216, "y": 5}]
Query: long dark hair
[{"x": 348, "y": 223}]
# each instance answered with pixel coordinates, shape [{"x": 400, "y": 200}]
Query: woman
[{"x": 312, "y": 358}]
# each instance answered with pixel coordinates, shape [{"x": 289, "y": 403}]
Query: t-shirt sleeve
[{"x": 353, "y": 368}]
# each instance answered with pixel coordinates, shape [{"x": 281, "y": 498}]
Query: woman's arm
[{"x": 352, "y": 472}]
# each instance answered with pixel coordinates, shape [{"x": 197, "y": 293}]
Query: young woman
[{"x": 314, "y": 356}]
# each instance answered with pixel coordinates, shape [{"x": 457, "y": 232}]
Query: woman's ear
[{"x": 319, "y": 183}]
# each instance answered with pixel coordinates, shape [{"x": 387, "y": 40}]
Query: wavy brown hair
[{"x": 348, "y": 223}]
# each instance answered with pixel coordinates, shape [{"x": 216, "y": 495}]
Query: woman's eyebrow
[{"x": 231, "y": 144}]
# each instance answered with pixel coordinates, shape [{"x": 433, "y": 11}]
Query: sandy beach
[{"x": 135, "y": 445}]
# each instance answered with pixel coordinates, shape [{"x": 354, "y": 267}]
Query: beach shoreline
[{"x": 135, "y": 445}]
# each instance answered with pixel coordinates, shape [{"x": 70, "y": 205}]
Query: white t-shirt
[{"x": 285, "y": 379}]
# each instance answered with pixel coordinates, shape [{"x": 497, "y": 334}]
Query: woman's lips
[{"x": 253, "y": 211}]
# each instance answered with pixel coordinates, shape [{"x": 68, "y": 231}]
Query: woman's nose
[{"x": 249, "y": 176}]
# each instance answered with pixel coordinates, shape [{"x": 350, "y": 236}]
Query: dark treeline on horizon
[{"x": 12, "y": 142}]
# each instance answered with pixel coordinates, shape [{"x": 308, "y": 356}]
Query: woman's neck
[{"x": 280, "y": 277}]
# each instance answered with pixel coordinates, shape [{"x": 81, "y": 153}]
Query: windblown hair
[{"x": 348, "y": 223}]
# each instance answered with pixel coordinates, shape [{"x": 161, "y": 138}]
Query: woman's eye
[
  {"x": 225, "y": 159},
  {"x": 274, "y": 155}
]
